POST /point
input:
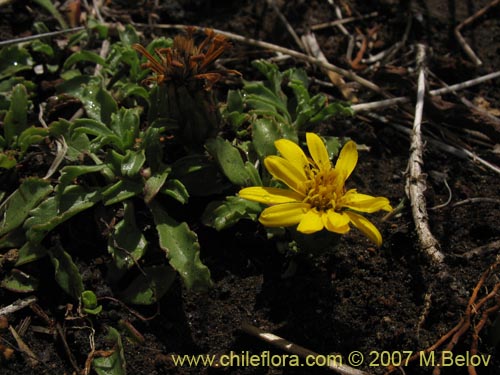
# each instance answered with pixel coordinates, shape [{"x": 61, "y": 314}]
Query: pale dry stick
[
  {"x": 492, "y": 247},
  {"x": 313, "y": 49},
  {"x": 467, "y": 49},
  {"x": 363, "y": 107},
  {"x": 281, "y": 16},
  {"x": 335, "y": 363},
  {"x": 392, "y": 50},
  {"x": 273, "y": 47},
  {"x": 17, "y": 305},
  {"x": 489, "y": 124},
  {"x": 31, "y": 358},
  {"x": 460, "y": 153},
  {"x": 39, "y": 36},
  {"x": 61, "y": 148},
  {"x": 415, "y": 182},
  {"x": 342, "y": 21},
  {"x": 476, "y": 200}
]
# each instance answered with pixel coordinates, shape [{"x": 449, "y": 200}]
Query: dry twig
[
  {"x": 265, "y": 45},
  {"x": 302, "y": 352},
  {"x": 17, "y": 305},
  {"x": 467, "y": 49},
  {"x": 313, "y": 49},
  {"x": 363, "y": 107},
  {"x": 476, "y": 309},
  {"x": 415, "y": 183}
]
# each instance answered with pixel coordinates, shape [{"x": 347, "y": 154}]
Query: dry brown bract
[{"x": 186, "y": 62}]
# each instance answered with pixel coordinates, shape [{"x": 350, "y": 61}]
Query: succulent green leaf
[
  {"x": 83, "y": 55},
  {"x": 16, "y": 119},
  {"x": 127, "y": 244},
  {"x": 41, "y": 47},
  {"x": 192, "y": 169},
  {"x": 128, "y": 35},
  {"x": 57, "y": 209},
  {"x": 229, "y": 159},
  {"x": 49, "y": 7},
  {"x": 175, "y": 189},
  {"x": 30, "y": 252},
  {"x": 31, "y": 136},
  {"x": 222, "y": 215},
  {"x": 66, "y": 272},
  {"x": 19, "y": 282},
  {"x": 154, "y": 183},
  {"x": 7, "y": 160},
  {"x": 71, "y": 172},
  {"x": 132, "y": 163},
  {"x": 15, "y": 209},
  {"x": 121, "y": 190},
  {"x": 89, "y": 302},
  {"x": 113, "y": 364},
  {"x": 13, "y": 239},
  {"x": 14, "y": 59},
  {"x": 182, "y": 249},
  {"x": 149, "y": 287},
  {"x": 125, "y": 125}
]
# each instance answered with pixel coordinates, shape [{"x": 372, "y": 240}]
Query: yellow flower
[{"x": 317, "y": 197}]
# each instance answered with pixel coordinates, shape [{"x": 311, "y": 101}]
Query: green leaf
[
  {"x": 222, "y": 215},
  {"x": 31, "y": 136},
  {"x": 182, "y": 249},
  {"x": 14, "y": 210},
  {"x": 71, "y": 172},
  {"x": 41, "y": 47},
  {"x": 7, "y": 160},
  {"x": 66, "y": 272},
  {"x": 125, "y": 125},
  {"x": 83, "y": 55},
  {"x": 30, "y": 253},
  {"x": 89, "y": 302},
  {"x": 132, "y": 163},
  {"x": 13, "y": 239},
  {"x": 97, "y": 101},
  {"x": 229, "y": 159},
  {"x": 113, "y": 364},
  {"x": 58, "y": 209},
  {"x": 19, "y": 282},
  {"x": 121, "y": 190},
  {"x": 14, "y": 59},
  {"x": 128, "y": 35},
  {"x": 175, "y": 189},
  {"x": 127, "y": 244},
  {"x": 48, "y": 6},
  {"x": 154, "y": 183},
  {"x": 149, "y": 287},
  {"x": 192, "y": 169},
  {"x": 16, "y": 119}
]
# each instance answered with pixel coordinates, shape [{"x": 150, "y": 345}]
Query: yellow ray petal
[
  {"x": 347, "y": 160},
  {"x": 364, "y": 203},
  {"x": 336, "y": 222},
  {"x": 269, "y": 195},
  {"x": 311, "y": 222},
  {"x": 318, "y": 151},
  {"x": 365, "y": 226},
  {"x": 293, "y": 153},
  {"x": 286, "y": 172},
  {"x": 283, "y": 215}
]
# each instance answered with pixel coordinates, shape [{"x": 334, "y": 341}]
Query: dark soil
[{"x": 357, "y": 297}]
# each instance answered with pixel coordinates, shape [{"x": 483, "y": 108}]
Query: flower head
[
  {"x": 187, "y": 62},
  {"x": 316, "y": 198}
]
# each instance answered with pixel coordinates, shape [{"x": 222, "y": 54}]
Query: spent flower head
[
  {"x": 317, "y": 197},
  {"x": 186, "y": 62}
]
